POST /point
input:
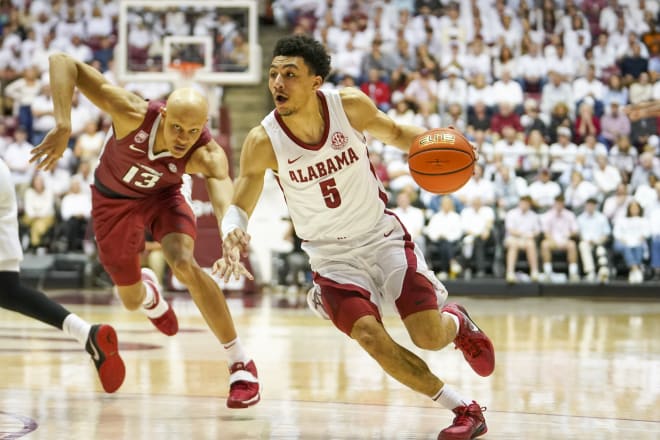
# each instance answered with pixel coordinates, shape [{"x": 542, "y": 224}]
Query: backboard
[{"x": 205, "y": 41}]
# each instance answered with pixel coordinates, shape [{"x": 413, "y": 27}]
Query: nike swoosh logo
[
  {"x": 134, "y": 148},
  {"x": 290, "y": 161},
  {"x": 387, "y": 234},
  {"x": 96, "y": 356}
]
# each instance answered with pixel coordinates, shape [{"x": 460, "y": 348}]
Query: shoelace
[
  {"x": 466, "y": 416},
  {"x": 467, "y": 345}
]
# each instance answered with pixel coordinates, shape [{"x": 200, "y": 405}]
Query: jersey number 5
[{"x": 330, "y": 193}]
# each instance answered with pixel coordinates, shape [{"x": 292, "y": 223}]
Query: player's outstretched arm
[
  {"x": 66, "y": 73},
  {"x": 257, "y": 156},
  {"x": 643, "y": 110},
  {"x": 365, "y": 116}
]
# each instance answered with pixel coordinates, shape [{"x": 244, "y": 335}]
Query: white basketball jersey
[
  {"x": 10, "y": 246},
  {"x": 330, "y": 188}
]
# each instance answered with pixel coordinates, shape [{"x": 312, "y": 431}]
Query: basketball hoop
[{"x": 186, "y": 71}]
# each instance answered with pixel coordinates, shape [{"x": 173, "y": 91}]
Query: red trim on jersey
[{"x": 326, "y": 129}]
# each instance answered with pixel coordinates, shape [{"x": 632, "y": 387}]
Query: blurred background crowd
[{"x": 566, "y": 187}]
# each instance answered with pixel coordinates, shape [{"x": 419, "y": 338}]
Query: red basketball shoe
[
  {"x": 103, "y": 346},
  {"x": 477, "y": 349},
  {"x": 164, "y": 319},
  {"x": 243, "y": 385},
  {"x": 469, "y": 423}
]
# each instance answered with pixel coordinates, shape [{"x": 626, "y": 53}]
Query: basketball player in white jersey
[
  {"x": 100, "y": 340},
  {"x": 359, "y": 251}
]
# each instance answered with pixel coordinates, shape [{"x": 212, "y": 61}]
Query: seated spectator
[
  {"x": 591, "y": 148},
  {"x": 579, "y": 191},
  {"x": 507, "y": 193},
  {"x": 633, "y": 64},
  {"x": 452, "y": 88},
  {"x": 17, "y": 157},
  {"x": 648, "y": 165},
  {"x": 645, "y": 193},
  {"x": 75, "y": 210},
  {"x": 555, "y": 91},
  {"x": 428, "y": 119},
  {"x": 22, "y": 92},
  {"x": 531, "y": 119},
  {"x": 421, "y": 89},
  {"x": 377, "y": 89},
  {"x": 641, "y": 90},
  {"x": 558, "y": 118},
  {"x": 38, "y": 210},
  {"x": 42, "y": 113},
  {"x": 615, "y": 91},
  {"x": 89, "y": 143},
  {"x": 604, "y": 54},
  {"x": 630, "y": 234},
  {"x": 532, "y": 70},
  {"x": 589, "y": 86},
  {"x": 479, "y": 91},
  {"x": 543, "y": 191},
  {"x": 559, "y": 227},
  {"x": 614, "y": 123},
  {"x": 477, "y": 221},
  {"x": 522, "y": 227},
  {"x": 562, "y": 152},
  {"x": 586, "y": 122},
  {"x": 477, "y": 187},
  {"x": 382, "y": 61},
  {"x": 478, "y": 119},
  {"x": 454, "y": 116},
  {"x": 412, "y": 217},
  {"x": 507, "y": 90},
  {"x": 443, "y": 234},
  {"x": 623, "y": 156},
  {"x": 594, "y": 231},
  {"x": 511, "y": 148},
  {"x": 505, "y": 117},
  {"x": 506, "y": 61},
  {"x": 376, "y": 160},
  {"x": 606, "y": 176}
]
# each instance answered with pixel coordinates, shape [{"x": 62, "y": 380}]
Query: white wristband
[{"x": 234, "y": 218}]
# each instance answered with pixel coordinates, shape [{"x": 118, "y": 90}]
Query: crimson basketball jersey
[
  {"x": 129, "y": 167},
  {"x": 330, "y": 188}
]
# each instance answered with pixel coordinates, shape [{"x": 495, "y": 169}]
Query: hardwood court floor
[{"x": 566, "y": 369}]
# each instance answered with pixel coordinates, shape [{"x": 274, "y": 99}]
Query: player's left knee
[
  {"x": 429, "y": 339},
  {"x": 183, "y": 268}
]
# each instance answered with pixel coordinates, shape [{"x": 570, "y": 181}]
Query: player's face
[
  {"x": 291, "y": 84},
  {"x": 182, "y": 131}
]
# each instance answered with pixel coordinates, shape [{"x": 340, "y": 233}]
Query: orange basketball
[{"x": 441, "y": 160}]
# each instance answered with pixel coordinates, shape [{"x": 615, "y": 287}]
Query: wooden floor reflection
[{"x": 566, "y": 369}]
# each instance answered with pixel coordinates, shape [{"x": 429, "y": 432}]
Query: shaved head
[{"x": 187, "y": 101}]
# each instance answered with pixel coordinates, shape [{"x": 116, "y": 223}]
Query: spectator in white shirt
[
  {"x": 555, "y": 91},
  {"x": 594, "y": 230},
  {"x": 623, "y": 155},
  {"x": 532, "y": 69},
  {"x": 522, "y": 227},
  {"x": 507, "y": 90},
  {"x": 451, "y": 89},
  {"x": 559, "y": 227},
  {"x": 17, "y": 157},
  {"x": 543, "y": 191},
  {"x": 562, "y": 152},
  {"x": 511, "y": 147},
  {"x": 604, "y": 54},
  {"x": 75, "y": 209},
  {"x": 412, "y": 217},
  {"x": 476, "y": 188},
  {"x": 38, "y": 210},
  {"x": 579, "y": 191},
  {"x": 590, "y": 149},
  {"x": 591, "y": 86},
  {"x": 606, "y": 176},
  {"x": 630, "y": 235},
  {"x": 477, "y": 221},
  {"x": 654, "y": 220},
  {"x": 443, "y": 232}
]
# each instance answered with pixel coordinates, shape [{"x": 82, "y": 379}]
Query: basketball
[{"x": 441, "y": 160}]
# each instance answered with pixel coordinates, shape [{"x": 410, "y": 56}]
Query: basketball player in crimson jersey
[
  {"x": 100, "y": 340},
  {"x": 137, "y": 187},
  {"x": 359, "y": 251}
]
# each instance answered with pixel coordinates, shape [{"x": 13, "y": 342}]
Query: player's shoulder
[
  {"x": 258, "y": 137},
  {"x": 352, "y": 96}
]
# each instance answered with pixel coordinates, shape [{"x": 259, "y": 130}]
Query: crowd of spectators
[{"x": 541, "y": 88}]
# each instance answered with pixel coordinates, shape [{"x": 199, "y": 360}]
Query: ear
[
  {"x": 318, "y": 82},
  {"x": 163, "y": 111}
]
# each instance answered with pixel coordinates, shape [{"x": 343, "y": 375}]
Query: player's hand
[
  {"x": 230, "y": 265},
  {"x": 237, "y": 238},
  {"x": 633, "y": 112},
  {"x": 51, "y": 149}
]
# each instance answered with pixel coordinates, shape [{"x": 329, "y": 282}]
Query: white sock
[
  {"x": 76, "y": 327},
  {"x": 235, "y": 353},
  {"x": 151, "y": 296},
  {"x": 573, "y": 268},
  {"x": 547, "y": 267},
  {"x": 456, "y": 321},
  {"x": 449, "y": 398}
]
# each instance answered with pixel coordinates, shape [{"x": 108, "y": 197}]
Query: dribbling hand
[
  {"x": 235, "y": 244},
  {"x": 51, "y": 149}
]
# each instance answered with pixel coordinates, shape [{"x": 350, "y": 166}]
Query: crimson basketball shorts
[
  {"x": 357, "y": 276},
  {"x": 120, "y": 226}
]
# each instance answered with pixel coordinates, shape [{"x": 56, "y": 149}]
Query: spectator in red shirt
[
  {"x": 586, "y": 122},
  {"x": 505, "y": 116},
  {"x": 378, "y": 90}
]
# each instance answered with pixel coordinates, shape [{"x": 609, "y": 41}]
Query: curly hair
[{"x": 310, "y": 50}]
